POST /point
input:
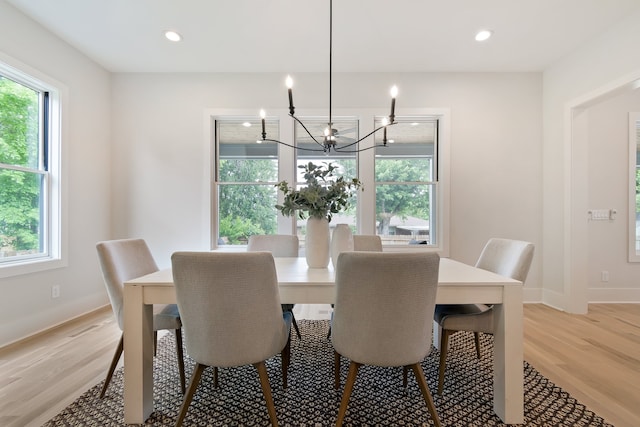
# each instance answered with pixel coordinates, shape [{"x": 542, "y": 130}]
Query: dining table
[{"x": 458, "y": 283}]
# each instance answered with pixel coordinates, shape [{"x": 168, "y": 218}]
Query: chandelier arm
[
  {"x": 307, "y": 130},
  {"x": 367, "y": 136},
  {"x": 293, "y": 146},
  {"x": 342, "y": 149}
]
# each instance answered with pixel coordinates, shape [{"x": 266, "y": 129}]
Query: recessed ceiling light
[
  {"x": 173, "y": 36},
  {"x": 483, "y": 35}
]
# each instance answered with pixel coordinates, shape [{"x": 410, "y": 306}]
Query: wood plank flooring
[{"x": 595, "y": 357}]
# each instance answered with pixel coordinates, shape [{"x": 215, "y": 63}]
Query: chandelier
[{"x": 329, "y": 141}]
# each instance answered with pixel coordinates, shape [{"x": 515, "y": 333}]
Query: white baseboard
[{"x": 614, "y": 295}]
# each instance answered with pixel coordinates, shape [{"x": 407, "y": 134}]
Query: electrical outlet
[
  {"x": 604, "y": 276},
  {"x": 55, "y": 291}
]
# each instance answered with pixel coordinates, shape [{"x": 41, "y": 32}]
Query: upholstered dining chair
[
  {"x": 509, "y": 258},
  {"x": 280, "y": 245},
  {"x": 208, "y": 287},
  {"x": 383, "y": 313},
  {"x": 120, "y": 261},
  {"x": 363, "y": 242}
]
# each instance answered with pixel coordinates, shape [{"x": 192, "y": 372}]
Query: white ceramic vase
[
  {"x": 317, "y": 243},
  {"x": 341, "y": 241}
]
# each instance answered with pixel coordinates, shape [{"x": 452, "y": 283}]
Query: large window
[
  {"x": 406, "y": 182},
  {"x": 29, "y": 200},
  {"x": 404, "y": 198},
  {"x": 246, "y": 175},
  {"x": 345, "y": 130}
]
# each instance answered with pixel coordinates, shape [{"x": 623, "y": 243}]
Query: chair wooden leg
[
  {"x": 155, "y": 343},
  {"x": 336, "y": 368},
  {"x": 180, "y": 354},
  {"x": 215, "y": 377},
  {"x": 444, "y": 342},
  {"x": 295, "y": 326},
  {"x": 405, "y": 375},
  {"x": 422, "y": 382},
  {"x": 266, "y": 391},
  {"x": 286, "y": 359},
  {"x": 329, "y": 333},
  {"x": 193, "y": 385},
  {"x": 112, "y": 367},
  {"x": 348, "y": 387},
  {"x": 477, "y": 339}
]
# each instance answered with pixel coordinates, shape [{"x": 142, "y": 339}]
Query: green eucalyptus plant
[{"x": 323, "y": 196}]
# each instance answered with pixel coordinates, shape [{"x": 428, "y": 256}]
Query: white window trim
[
  {"x": 634, "y": 255},
  {"x": 57, "y": 218}
]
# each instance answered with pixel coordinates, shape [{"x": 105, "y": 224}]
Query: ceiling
[{"x": 293, "y": 35}]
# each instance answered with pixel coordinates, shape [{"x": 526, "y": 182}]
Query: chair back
[
  {"x": 370, "y": 243},
  {"x": 280, "y": 245},
  {"x": 230, "y": 306},
  {"x": 384, "y": 306},
  {"x": 120, "y": 261},
  {"x": 509, "y": 258}
]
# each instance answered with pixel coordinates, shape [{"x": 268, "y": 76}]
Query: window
[
  {"x": 405, "y": 197},
  {"x": 405, "y": 182},
  {"x": 246, "y": 175},
  {"x": 29, "y": 185},
  {"x": 345, "y": 130}
]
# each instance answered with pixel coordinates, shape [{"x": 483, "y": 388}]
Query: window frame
[
  {"x": 218, "y": 183},
  {"x": 54, "y": 254},
  {"x": 365, "y": 162},
  {"x": 634, "y": 151},
  {"x": 431, "y": 184}
]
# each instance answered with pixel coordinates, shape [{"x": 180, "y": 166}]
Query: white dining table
[{"x": 458, "y": 283}]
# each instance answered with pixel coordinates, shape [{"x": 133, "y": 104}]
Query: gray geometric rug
[{"x": 378, "y": 398}]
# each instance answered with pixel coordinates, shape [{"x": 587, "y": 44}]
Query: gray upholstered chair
[
  {"x": 120, "y": 261},
  {"x": 383, "y": 314},
  {"x": 280, "y": 245},
  {"x": 364, "y": 243},
  {"x": 208, "y": 287},
  {"x": 370, "y": 243},
  {"x": 509, "y": 258}
]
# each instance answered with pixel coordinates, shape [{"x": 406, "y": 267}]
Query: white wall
[
  {"x": 161, "y": 147},
  {"x": 26, "y": 305},
  {"x": 608, "y": 146},
  {"x": 137, "y": 151},
  {"x": 603, "y": 66}
]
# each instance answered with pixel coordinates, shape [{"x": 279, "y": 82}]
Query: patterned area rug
[{"x": 378, "y": 397}]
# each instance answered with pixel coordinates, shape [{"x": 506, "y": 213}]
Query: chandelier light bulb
[
  {"x": 289, "y": 83},
  {"x": 394, "y": 93},
  {"x": 262, "y": 117}
]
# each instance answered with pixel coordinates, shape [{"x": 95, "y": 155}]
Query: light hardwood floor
[{"x": 595, "y": 357}]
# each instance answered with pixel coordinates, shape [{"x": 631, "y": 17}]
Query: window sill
[{"x": 30, "y": 266}]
